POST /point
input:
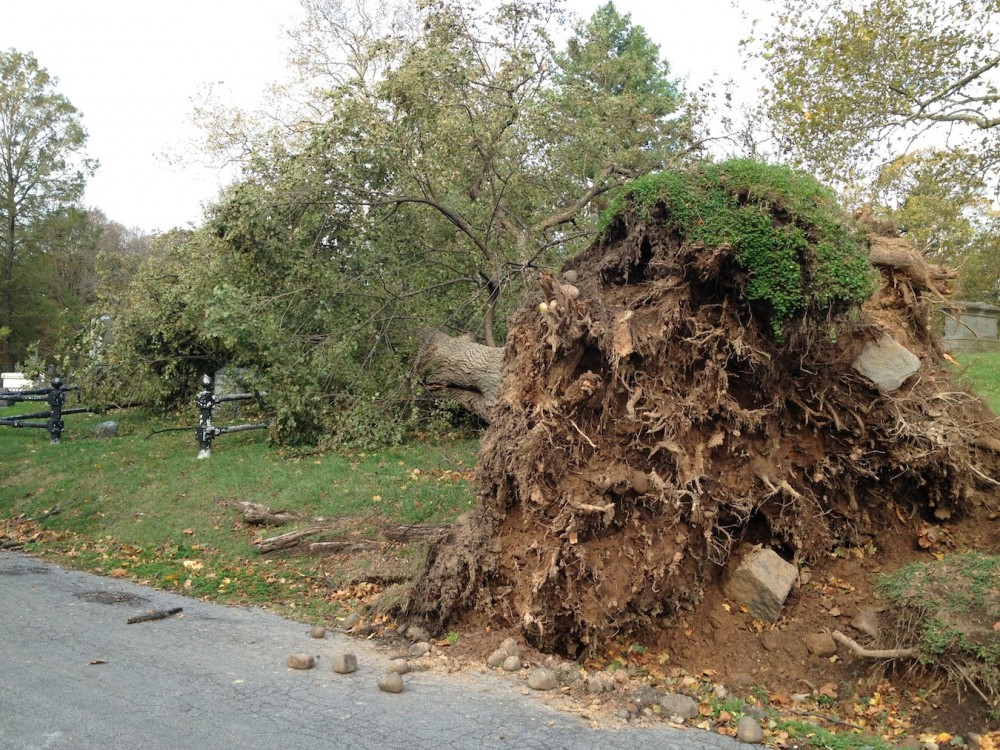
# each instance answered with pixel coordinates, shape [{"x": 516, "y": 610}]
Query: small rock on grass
[
  {"x": 399, "y": 666},
  {"x": 345, "y": 663},
  {"x": 301, "y": 661},
  {"x": 748, "y": 730},
  {"x": 391, "y": 683},
  {"x": 317, "y": 631},
  {"x": 542, "y": 679}
]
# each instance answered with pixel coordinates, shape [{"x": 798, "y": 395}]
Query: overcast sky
[{"x": 134, "y": 69}]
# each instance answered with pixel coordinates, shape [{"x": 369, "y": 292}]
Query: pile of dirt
[{"x": 687, "y": 389}]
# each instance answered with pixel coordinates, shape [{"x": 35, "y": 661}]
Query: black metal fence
[
  {"x": 54, "y": 396},
  {"x": 206, "y": 401}
]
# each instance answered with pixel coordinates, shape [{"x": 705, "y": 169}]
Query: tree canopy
[
  {"x": 858, "y": 82},
  {"x": 42, "y": 176},
  {"x": 898, "y": 103},
  {"x": 446, "y": 152}
]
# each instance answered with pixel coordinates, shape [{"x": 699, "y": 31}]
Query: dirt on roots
[{"x": 651, "y": 426}]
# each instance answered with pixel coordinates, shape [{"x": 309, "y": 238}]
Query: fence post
[
  {"x": 206, "y": 432},
  {"x": 56, "y": 397}
]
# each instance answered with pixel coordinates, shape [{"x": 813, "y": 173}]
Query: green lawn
[
  {"x": 982, "y": 370},
  {"x": 143, "y": 505}
]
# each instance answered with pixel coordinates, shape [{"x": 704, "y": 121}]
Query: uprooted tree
[{"x": 693, "y": 383}]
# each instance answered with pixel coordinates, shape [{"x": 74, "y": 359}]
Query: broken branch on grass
[{"x": 283, "y": 541}]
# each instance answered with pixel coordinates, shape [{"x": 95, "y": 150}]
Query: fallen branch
[
  {"x": 159, "y": 614},
  {"x": 12, "y": 544},
  {"x": 867, "y": 653},
  {"x": 284, "y": 541},
  {"x": 50, "y": 512},
  {"x": 258, "y": 514}
]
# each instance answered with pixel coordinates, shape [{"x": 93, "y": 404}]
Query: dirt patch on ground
[{"x": 661, "y": 412}]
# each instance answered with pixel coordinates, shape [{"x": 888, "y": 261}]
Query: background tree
[
  {"x": 42, "y": 176},
  {"x": 899, "y": 103},
  {"x": 855, "y": 83}
]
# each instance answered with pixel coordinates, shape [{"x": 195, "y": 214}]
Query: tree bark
[{"x": 466, "y": 371}]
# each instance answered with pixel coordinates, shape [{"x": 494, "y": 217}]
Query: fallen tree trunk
[{"x": 466, "y": 371}]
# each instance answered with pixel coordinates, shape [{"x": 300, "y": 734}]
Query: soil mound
[{"x": 689, "y": 386}]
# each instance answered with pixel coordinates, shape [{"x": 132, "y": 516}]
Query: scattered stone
[
  {"x": 317, "y": 631},
  {"x": 497, "y": 658},
  {"x": 391, "y": 683},
  {"x": 541, "y": 678},
  {"x": 571, "y": 276},
  {"x": 417, "y": 633},
  {"x": 107, "y": 429},
  {"x": 399, "y": 666},
  {"x": 419, "y": 649},
  {"x": 600, "y": 682},
  {"x": 756, "y": 712},
  {"x": 621, "y": 677},
  {"x": 512, "y": 663},
  {"x": 645, "y": 696},
  {"x": 301, "y": 661},
  {"x": 762, "y": 583},
  {"x": 886, "y": 363},
  {"x": 820, "y": 644},
  {"x": 681, "y": 706},
  {"x": 510, "y": 646},
  {"x": 345, "y": 664},
  {"x": 351, "y": 621},
  {"x": 748, "y": 730},
  {"x": 800, "y": 697},
  {"x": 622, "y": 714}
]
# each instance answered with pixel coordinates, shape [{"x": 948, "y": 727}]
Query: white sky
[{"x": 134, "y": 68}]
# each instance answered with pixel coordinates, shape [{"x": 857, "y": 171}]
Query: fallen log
[
  {"x": 284, "y": 541},
  {"x": 258, "y": 514}
]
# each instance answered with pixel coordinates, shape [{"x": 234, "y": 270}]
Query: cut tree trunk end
[{"x": 465, "y": 371}]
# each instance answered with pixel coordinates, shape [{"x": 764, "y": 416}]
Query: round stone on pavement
[
  {"x": 345, "y": 663},
  {"x": 301, "y": 661},
  {"x": 399, "y": 666},
  {"x": 391, "y": 683}
]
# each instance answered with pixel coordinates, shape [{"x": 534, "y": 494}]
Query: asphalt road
[{"x": 216, "y": 678}]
